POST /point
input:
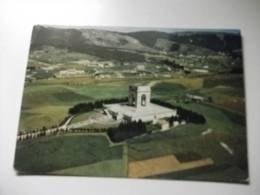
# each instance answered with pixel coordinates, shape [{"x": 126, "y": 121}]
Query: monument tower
[
  {"x": 139, "y": 96},
  {"x": 138, "y": 107}
]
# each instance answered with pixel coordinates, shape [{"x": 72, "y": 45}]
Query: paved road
[{"x": 67, "y": 126}]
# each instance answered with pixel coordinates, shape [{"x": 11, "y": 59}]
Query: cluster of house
[
  {"x": 139, "y": 70},
  {"x": 70, "y": 73},
  {"x": 50, "y": 68},
  {"x": 95, "y": 63},
  {"x": 101, "y": 64}
]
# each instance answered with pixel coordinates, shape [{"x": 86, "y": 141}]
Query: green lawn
[
  {"x": 219, "y": 119},
  {"x": 61, "y": 152},
  {"x": 106, "y": 168},
  {"x": 37, "y": 117},
  {"x": 47, "y": 105},
  {"x": 40, "y": 95},
  {"x": 167, "y": 90},
  {"x": 222, "y": 173},
  {"x": 227, "y": 127},
  {"x": 81, "y": 117}
]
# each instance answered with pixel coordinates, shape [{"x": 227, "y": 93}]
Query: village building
[
  {"x": 102, "y": 76},
  {"x": 50, "y": 68},
  {"x": 200, "y": 70},
  {"x": 140, "y": 67},
  {"x": 196, "y": 98},
  {"x": 138, "y": 107},
  {"x": 70, "y": 73}
]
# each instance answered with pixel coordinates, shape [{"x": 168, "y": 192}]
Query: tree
[
  {"x": 210, "y": 99},
  {"x": 90, "y": 106},
  {"x": 126, "y": 130}
]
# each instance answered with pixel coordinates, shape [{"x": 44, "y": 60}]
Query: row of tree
[
  {"x": 45, "y": 132},
  {"x": 90, "y": 106},
  {"x": 126, "y": 130},
  {"x": 190, "y": 116},
  {"x": 182, "y": 114}
]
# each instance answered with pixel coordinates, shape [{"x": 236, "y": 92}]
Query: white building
[
  {"x": 70, "y": 73},
  {"x": 200, "y": 70},
  {"x": 195, "y": 97},
  {"x": 138, "y": 107},
  {"x": 140, "y": 67}
]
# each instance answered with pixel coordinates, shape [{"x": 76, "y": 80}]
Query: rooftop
[{"x": 134, "y": 112}]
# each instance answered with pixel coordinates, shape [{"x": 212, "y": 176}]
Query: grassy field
[
  {"x": 49, "y": 154},
  {"x": 187, "y": 139},
  {"x": 168, "y": 90},
  {"x": 39, "y": 116},
  {"x": 227, "y": 126},
  {"x": 107, "y": 168},
  {"x": 221, "y": 173},
  {"x": 81, "y": 117},
  {"x": 46, "y": 103},
  {"x": 219, "y": 119}
]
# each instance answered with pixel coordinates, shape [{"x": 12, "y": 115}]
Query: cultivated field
[{"x": 162, "y": 165}]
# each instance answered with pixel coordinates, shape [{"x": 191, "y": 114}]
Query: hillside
[
  {"x": 139, "y": 53},
  {"x": 142, "y": 40}
]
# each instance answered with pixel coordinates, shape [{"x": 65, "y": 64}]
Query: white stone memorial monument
[{"x": 138, "y": 107}]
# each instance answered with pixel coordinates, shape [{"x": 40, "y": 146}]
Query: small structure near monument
[
  {"x": 138, "y": 107},
  {"x": 195, "y": 98},
  {"x": 164, "y": 124}
]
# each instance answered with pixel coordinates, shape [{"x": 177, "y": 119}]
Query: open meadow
[{"x": 185, "y": 142}]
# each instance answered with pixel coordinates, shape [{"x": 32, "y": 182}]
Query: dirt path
[
  {"x": 162, "y": 165},
  {"x": 153, "y": 83},
  {"x": 65, "y": 125},
  {"x": 99, "y": 120}
]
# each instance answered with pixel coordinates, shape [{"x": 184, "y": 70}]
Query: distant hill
[
  {"x": 149, "y": 38},
  {"x": 216, "y": 41},
  {"x": 103, "y": 44},
  {"x": 130, "y": 46},
  {"x": 57, "y": 37}
]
